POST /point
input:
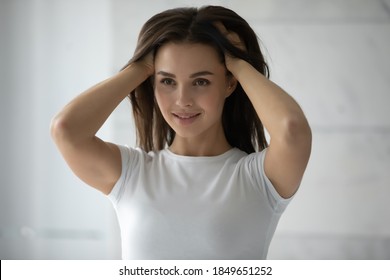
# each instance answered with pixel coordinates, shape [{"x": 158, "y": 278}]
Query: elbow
[
  {"x": 58, "y": 129},
  {"x": 67, "y": 132},
  {"x": 296, "y": 130}
]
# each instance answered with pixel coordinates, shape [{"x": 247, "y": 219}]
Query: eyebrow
[{"x": 194, "y": 75}]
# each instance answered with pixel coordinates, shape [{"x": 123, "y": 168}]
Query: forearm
[
  {"x": 278, "y": 111},
  {"x": 83, "y": 116}
]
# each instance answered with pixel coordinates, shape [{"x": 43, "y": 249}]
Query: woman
[{"x": 202, "y": 183}]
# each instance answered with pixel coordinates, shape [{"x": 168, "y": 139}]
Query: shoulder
[
  {"x": 252, "y": 160},
  {"x": 132, "y": 159},
  {"x": 132, "y": 155},
  {"x": 251, "y": 175},
  {"x": 254, "y": 167}
]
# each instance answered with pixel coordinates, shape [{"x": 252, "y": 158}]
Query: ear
[{"x": 231, "y": 85}]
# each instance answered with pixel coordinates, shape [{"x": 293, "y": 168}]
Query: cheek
[
  {"x": 163, "y": 100},
  {"x": 214, "y": 101}
]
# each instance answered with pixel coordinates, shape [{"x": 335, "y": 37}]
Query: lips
[
  {"x": 185, "y": 118},
  {"x": 186, "y": 115}
]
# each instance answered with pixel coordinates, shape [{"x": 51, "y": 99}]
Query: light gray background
[{"x": 332, "y": 56}]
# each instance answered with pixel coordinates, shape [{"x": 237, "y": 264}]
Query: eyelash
[
  {"x": 167, "y": 82},
  {"x": 203, "y": 81},
  {"x": 171, "y": 82}
]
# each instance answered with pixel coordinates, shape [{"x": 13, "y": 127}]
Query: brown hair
[{"x": 243, "y": 128}]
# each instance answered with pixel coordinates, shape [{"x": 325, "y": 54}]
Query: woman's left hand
[{"x": 235, "y": 39}]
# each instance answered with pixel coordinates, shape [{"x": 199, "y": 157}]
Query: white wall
[
  {"x": 332, "y": 56},
  {"x": 50, "y": 51}
]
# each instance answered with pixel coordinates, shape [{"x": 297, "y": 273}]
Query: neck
[{"x": 200, "y": 145}]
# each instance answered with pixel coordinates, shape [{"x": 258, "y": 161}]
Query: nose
[{"x": 184, "y": 97}]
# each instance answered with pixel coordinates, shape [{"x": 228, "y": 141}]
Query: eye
[
  {"x": 201, "y": 82},
  {"x": 167, "y": 82}
]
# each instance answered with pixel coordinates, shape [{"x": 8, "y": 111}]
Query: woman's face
[{"x": 191, "y": 86}]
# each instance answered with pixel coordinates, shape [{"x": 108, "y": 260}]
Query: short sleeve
[
  {"x": 255, "y": 167},
  {"x": 128, "y": 159}
]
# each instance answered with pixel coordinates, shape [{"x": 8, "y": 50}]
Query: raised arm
[
  {"x": 73, "y": 129},
  {"x": 290, "y": 144}
]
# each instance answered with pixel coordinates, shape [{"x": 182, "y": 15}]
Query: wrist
[
  {"x": 236, "y": 67},
  {"x": 142, "y": 70}
]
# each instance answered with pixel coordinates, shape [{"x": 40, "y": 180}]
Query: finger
[
  {"x": 233, "y": 37},
  {"x": 221, "y": 28}
]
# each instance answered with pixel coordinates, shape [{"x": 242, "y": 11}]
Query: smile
[{"x": 185, "y": 118}]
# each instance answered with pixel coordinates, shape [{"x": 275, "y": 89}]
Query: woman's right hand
[{"x": 146, "y": 64}]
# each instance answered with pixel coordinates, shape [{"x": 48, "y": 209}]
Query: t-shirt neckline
[{"x": 224, "y": 155}]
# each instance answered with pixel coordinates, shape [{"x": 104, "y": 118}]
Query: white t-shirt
[{"x": 179, "y": 207}]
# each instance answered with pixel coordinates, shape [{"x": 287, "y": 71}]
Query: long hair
[{"x": 242, "y": 127}]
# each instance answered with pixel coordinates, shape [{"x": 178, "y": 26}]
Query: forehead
[{"x": 187, "y": 58}]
